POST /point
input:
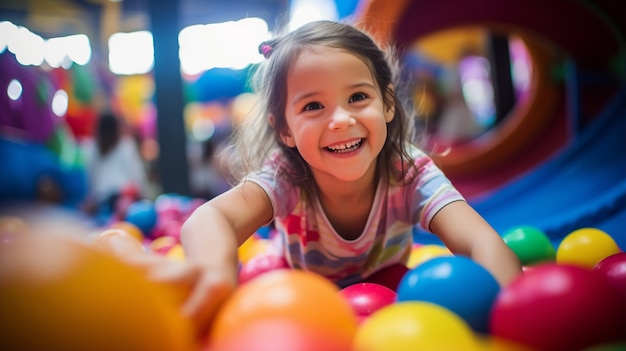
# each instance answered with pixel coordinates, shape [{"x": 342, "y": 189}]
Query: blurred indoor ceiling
[{"x": 100, "y": 18}]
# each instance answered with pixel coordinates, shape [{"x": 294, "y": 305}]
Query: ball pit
[{"x": 308, "y": 313}]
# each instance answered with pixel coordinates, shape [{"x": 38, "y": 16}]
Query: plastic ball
[
  {"x": 367, "y": 298},
  {"x": 117, "y": 242},
  {"x": 559, "y": 307},
  {"x": 493, "y": 343},
  {"x": 176, "y": 252},
  {"x": 613, "y": 346},
  {"x": 167, "y": 226},
  {"x": 162, "y": 244},
  {"x": 260, "y": 264},
  {"x": 276, "y": 334},
  {"x": 142, "y": 214},
  {"x": 300, "y": 297},
  {"x": 424, "y": 253},
  {"x": 456, "y": 283},
  {"x": 62, "y": 294},
  {"x": 414, "y": 325},
  {"x": 129, "y": 228},
  {"x": 586, "y": 247},
  {"x": 389, "y": 276},
  {"x": 531, "y": 245},
  {"x": 613, "y": 268},
  {"x": 253, "y": 246}
]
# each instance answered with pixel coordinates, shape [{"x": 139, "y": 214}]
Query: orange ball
[
  {"x": 129, "y": 228},
  {"x": 276, "y": 335},
  {"x": 118, "y": 242},
  {"x": 62, "y": 294},
  {"x": 300, "y": 297}
]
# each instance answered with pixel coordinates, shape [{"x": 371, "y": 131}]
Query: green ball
[
  {"x": 531, "y": 245},
  {"x": 617, "y": 346}
]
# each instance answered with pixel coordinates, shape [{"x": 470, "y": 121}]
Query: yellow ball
[
  {"x": 415, "y": 325},
  {"x": 424, "y": 253},
  {"x": 585, "y": 247},
  {"x": 252, "y": 247},
  {"x": 176, "y": 252},
  {"x": 62, "y": 294}
]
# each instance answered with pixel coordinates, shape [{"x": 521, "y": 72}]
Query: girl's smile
[{"x": 342, "y": 148}]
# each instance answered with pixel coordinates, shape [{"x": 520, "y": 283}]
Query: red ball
[
  {"x": 367, "y": 298},
  {"x": 260, "y": 264},
  {"x": 388, "y": 276},
  {"x": 559, "y": 307},
  {"x": 613, "y": 268}
]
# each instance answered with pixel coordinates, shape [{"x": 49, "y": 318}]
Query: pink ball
[
  {"x": 367, "y": 298},
  {"x": 559, "y": 307},
  {"x": 260, "y": 264},
  {"x": 613, "y": 268}
]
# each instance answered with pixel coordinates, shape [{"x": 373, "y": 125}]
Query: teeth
[{"x": 345, "y": 147}]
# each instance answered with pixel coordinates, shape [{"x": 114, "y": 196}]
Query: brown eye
[
  {"x": 313, "y": 106},
  {"x": 358, "y": 97}
]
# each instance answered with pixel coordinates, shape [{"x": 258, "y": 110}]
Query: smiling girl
[{"x": 329, "y": 160}]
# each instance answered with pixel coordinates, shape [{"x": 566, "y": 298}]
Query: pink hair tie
[{"x": 265, "y": 49}]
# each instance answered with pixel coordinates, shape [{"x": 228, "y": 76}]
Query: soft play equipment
[
  {"x": 556, "y": 162},
  {"x": 39, "y": 156}
]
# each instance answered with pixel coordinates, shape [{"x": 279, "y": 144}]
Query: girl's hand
[{"x": 209, "y": 288}]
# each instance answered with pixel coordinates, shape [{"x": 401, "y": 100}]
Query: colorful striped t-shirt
[{"x": 308, "y": 241}]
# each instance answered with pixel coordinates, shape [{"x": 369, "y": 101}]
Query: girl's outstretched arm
[
  {"x": 211, "y": 237},
  {"x": 467, "y": 233}
]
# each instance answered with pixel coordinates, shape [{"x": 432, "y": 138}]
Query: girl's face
[{"x": 335, "y": 114}]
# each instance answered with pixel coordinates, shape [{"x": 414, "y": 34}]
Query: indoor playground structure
[
  {"x": 556, "y": 161},
  {"x": 549, "y": 175}
]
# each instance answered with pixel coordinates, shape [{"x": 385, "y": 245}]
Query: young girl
[{"x": 329, "y": 160}]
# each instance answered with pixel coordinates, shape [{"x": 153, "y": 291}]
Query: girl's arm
[
  {"x": 465, "y": 232},
  {"x": 211, "y": 237}
]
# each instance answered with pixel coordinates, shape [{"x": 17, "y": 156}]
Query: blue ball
[
  {"x": 142, "y": 214},
  {"x": 456, "y": 283}
]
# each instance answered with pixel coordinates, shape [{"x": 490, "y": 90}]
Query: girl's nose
[{"x": 341, "y": 119}]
